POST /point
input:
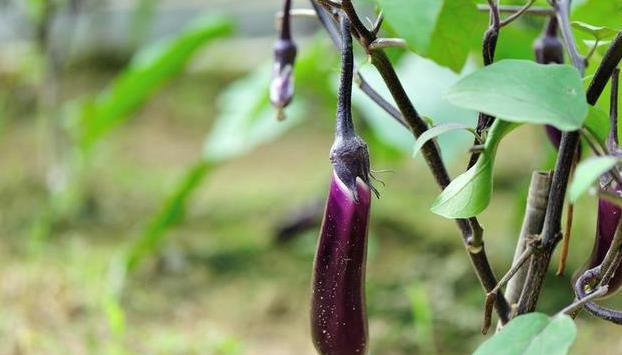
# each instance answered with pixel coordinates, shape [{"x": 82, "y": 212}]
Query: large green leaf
[
  {"x": 442, "y": 30},
  {"x": 469, "y": 194},
  {"x": 532, "y": 334},
  {"x": 149, "y": 70},
  {"x": 587, "y": 172},
  {"x": 525, "y": 92}
]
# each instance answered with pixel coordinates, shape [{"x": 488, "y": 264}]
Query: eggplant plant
[
  {"x": 507, "y": 94},
  {"x": 338, "y": 314}
]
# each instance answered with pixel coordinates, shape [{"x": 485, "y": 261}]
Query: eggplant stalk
[{"x": 338, "y": 315}]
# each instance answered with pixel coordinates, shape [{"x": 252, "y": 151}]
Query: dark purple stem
[
  {"x": 285, "y": 23},
  {"x": 612, "y": 141},
  {"x": 345, "y": 127}
]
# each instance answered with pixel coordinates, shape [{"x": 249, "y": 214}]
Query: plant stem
[
  {"x": 569, "y": 142},
  {"x": 328, "y": 23},
  {"x": 489, "y": 45},
  {"x": 533, "y": 221},
  {"x": 578, "y": 304},
  {"x": 516, "y": 14},
  {"x": 470, "y": 229},
  {"x": 285, "y": 26},
  {"x": 612, "y": 141},
  {"x": 536, "y": 11},
  {"x": 345, "y": 127}
]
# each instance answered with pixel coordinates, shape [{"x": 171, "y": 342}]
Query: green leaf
[
  {"x": 532, "y": 334},
  {"x": 599, "y": 32},
  {"x": 525, "y": 92},
  {"x": 597, "y": 121},
  {"x": 150, "y": 69},
  {"x": 170, "y": 213},
  {"x": 602, "y": 13},
  {"x": 437, "y": 131},
  {"x": 587, "y": 172},
  {"x": 469, "y": 194},
  {"x": 442, "y": 30}
]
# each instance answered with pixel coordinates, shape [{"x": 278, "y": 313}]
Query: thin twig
[
  {"x": 578, "y": 304},
  {"x": 379, "y": 43},
  {"x": 517, "y": 14},
  {"x": 308, "y": 13},
  {"x": 536, "y": 11},
  {"x": 563, "y": 254},
  {"x": 612, "y": 140},
  {"x": 516, "y": 266}
]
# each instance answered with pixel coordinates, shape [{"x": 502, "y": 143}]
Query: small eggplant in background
[{"x": 282, "y": 84}]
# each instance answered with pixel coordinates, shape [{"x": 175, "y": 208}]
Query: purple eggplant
[
  {"x": 606, "y": 225},
  {"x": 338, "y": 316},
  {"x": 608, "y": 212},
  {"x": 282, "y": 84}
]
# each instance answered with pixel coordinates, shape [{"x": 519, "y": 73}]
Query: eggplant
[
  {"x": 608, "y": 213},
  {"x": 338, "y": 315},
  {"x": 282, "y": 84},
  {"x": 606, "y": 225},
  {"x": 338, "y": 312}
]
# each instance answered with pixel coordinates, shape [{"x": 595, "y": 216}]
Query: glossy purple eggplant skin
[
  {"x": 338, "y": 315},
  {"x": 606, "y": 225}
]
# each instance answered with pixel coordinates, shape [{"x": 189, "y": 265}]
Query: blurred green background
[{"x": 144, "y": 181}]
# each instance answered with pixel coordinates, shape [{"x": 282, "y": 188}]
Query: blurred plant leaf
[
  {"x": 599, "y": 32},
  {"x": 469, "y": 194},
  {"x": 246, "y": 118},
  {"x": 170, "y": 213},
  {"x": 588, "y": 172},
  {"x": 427, "y": 96},
  {"x": 525, "y": 92},
  {"x": 597, "y": 121},
  {"x": 532, "y": 334},
  {"x": 150, "y": 69},
  {"x": 442, "y": 30},
  {"x": 601, "y": 13},
  {"x": 437, "y": 131}
]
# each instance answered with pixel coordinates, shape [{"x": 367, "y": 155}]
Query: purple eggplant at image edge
[{"x": 338, "y": 319}]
